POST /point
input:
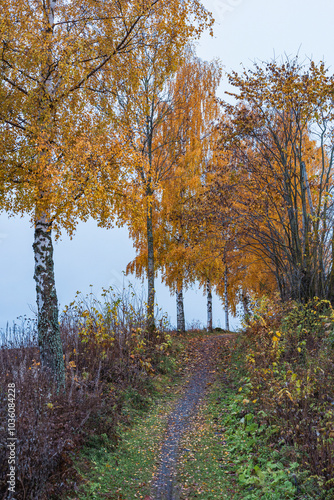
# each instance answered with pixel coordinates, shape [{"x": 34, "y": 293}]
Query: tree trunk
[
  {"x": 150, "y": 269},
  {"x": 227, "y": 324},
  {"x": 181, "y": 327},
  {"x": 331, "y": 276},
  {"x": 49, "y": 339},
  {"x": 209, "y": 305}
]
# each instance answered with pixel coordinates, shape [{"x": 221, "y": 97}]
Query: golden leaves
[{"x": 64, "y": 154}]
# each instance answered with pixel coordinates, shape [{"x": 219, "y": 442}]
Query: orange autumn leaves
[
  {"x": 61, "y": 63},
  {"x": 175, "y": 146},
  {"x": 272, "y": 179},
  {"x": 63, "y": 156}
]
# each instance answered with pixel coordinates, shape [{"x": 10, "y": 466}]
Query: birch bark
[
  {"x": 227, "y": 323},
  {"x": 49, "y": 339},
  {"x": 181, "y": 327},
  {"x": 150, "y": 268},
  {"x": 209, "y": 305}
]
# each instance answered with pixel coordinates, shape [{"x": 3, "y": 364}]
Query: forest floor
[
  {"x": 197, "y": 438},
  {"x": 148, "y": 463}
]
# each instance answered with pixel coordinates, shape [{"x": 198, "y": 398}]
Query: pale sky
[{"x": 245, "y": 30}]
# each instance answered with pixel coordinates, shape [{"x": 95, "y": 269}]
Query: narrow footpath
[{"x": 164, "y": 486}]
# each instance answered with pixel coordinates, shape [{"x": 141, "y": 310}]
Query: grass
[
  {"x": 200, "y": 474},
  {"x": 127, "y": 471},
  {"x": 230, "y": 455}
]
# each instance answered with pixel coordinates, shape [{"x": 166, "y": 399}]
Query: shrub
[
  {"x": 290, "y": 365},
  {"x": 108, "y": 357}
]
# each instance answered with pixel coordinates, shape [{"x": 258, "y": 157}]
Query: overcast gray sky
[{"x": 245, "y": 30}]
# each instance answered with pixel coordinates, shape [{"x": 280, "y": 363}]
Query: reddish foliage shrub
[
  {"x": 290, "y": 362},
  {"x": 106, "y": 350}
]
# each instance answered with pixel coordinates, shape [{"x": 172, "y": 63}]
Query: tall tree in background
[
  {"x": 146, "y": 103},
  {"x": 179, "y": 148},
  {"x": 220, "y": 244},
  {"x": 59, "y": 156},
  {"x": 280, "y": 138},
  {"x": 175, "y": 256}
]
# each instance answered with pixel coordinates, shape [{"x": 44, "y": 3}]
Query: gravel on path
[{"x": 164, "y": 485}]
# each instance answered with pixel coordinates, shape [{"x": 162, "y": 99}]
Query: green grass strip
[
  {"x": 227, "y": 455},
  {"x": 126, "y": 473},
  {"x": 200, "y": 474}
]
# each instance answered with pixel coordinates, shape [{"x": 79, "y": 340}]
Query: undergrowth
[
  {"x": 110, "y": 359},
  {"x": 287, "y": 357},
  {"x": 125, "y": 472},
  {"x": 232, "y": 453}
]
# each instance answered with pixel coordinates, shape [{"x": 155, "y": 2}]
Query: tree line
[
  {"x": 107, "y": 112},
  {"x": 94, "y": 102}
]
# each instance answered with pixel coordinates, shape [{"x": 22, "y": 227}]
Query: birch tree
[
  {"x": 145, "y": 104},
  {"x": 180, "y": 147},
  {"x": 60, "y": 159},
  {"x": 201, "y": 113}
]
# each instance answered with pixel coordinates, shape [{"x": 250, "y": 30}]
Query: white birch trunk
[
  {"x": 209, "y": 305},
  {"x": 181, "y": 327},
  {"x": 227, "y": 324},
  {"x": 150, "y": 269},
  {"x": 49, "y": 339}
]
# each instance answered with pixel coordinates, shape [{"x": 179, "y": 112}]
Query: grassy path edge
[
  {"x": 219, "y": 456},
  {"x": 228, "y": 454}
]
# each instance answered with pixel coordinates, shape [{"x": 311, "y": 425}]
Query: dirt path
[{"x": 203, "y": 365}]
